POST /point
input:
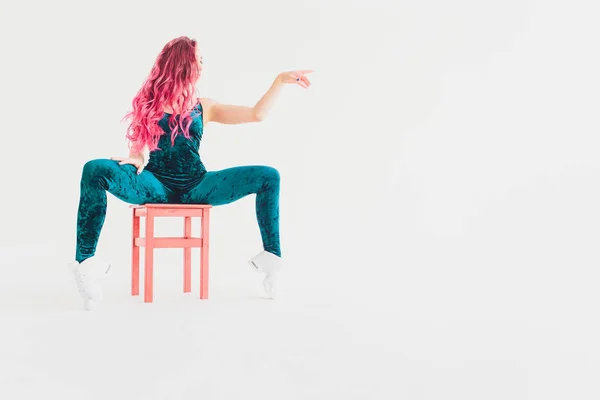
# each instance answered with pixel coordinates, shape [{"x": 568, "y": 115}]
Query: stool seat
[
  {"x": 149, "y": 242},
  {"x": 166, "y": 205}
]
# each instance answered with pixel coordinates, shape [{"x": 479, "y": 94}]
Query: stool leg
[
  {"x": 149, "y": 257},
  {"x": 135, "y": 257},
  {"x": 187, "y": 257},
  {"x": 204, "y": 258}
]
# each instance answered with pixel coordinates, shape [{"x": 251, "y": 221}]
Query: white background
[{"x": 438, "y": 209}]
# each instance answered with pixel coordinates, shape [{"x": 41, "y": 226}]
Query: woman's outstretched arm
[{"x": 233, "y": 114}]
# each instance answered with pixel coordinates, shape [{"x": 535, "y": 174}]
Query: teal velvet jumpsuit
[{"x": 175, "y": 174}]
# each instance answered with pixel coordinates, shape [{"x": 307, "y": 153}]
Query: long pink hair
[{"x": 171, "y": 83}]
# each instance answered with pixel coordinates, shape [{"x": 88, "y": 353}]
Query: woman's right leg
[
  {"x": 231, "y": 184},
  {"x": 122, "y": 181}
]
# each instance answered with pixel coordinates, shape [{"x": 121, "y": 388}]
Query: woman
[{"x": 168, "y": 120}]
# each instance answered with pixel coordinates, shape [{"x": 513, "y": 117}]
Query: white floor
[{"x": 316, "y": 341}]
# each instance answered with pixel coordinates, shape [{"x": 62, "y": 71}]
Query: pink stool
[{"x": 187, "y": 242}]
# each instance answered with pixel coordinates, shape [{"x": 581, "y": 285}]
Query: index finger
[{"x": 304, "y": 71}]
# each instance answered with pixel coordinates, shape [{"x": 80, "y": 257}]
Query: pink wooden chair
[{"x": 187, "y": 242}]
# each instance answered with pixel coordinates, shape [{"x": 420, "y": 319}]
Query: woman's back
[{"x": 177, "y": 163}]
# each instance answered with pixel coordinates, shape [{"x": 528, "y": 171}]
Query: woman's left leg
[{"x": 229, "y": 185}]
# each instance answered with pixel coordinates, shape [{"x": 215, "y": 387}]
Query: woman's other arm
[{"x": 235, "y": 114}]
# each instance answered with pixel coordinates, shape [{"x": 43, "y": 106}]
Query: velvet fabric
[{"x": 176, "y": 175}]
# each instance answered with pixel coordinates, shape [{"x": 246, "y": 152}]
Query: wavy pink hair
[{"x": 170, "y": 83}]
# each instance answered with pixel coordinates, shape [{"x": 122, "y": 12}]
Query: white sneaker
[
  {"x": 270, "y": 265},
  {"x": 86, "y": 277}
]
